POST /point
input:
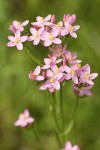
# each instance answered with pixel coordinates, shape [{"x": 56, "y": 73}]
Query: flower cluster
[
  {"x": 44, "y": 30},
  {"x": 68, "y": 146},
  {"x": 17, "y": 39},
  {"x": 60, "y": 67},
  {"x": 24, "y": 119}
]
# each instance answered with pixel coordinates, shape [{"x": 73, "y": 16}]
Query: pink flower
[
  {"x": 71, "y": 73},
  {"x": 57, "y": 27},
  {"x": 16, "y": 41},
  {"x": 58, "y": 51},
  {"x": 50, "y": 37},
  {"x": 86, "y": 77},
  {"x": 52, "y": 82},
  {"x": 49, "y": 62},
  {"x": 24, "y": 119},
  {"x": 41, "y": 22},
  {"x": 69, "y": 29},
  {"x": 70, "y": 57},
  {"x": 36, "y": 35},
  {"x": 69, "y": 18},
  {"x": 83, "y": 90},
  {"x": 35, "y": 75},
  {"x": 18, "y": 26},
  {"x": 69, "y": 146}
]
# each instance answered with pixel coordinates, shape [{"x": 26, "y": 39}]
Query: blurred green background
[{"x": 17, "y": 92}]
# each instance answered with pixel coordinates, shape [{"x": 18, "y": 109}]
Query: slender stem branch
[
  {"x": 53, "y": 102},
  {"x": 32, "y": 56},
  {"x": 57, "y": 133},
  {"x": 62, "y": 109},
  {"x": 75, "y": 107}
]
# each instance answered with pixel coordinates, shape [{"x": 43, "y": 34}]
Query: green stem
[
  {"x": 75, "y": 107},
  {"x": 32, "y": 56},
  {"x": 62, "y": 109},
  {"x": 53, "y": 103},
  {"x": 57, "y": 133}
]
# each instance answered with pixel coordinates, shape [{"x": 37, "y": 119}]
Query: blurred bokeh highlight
[{"x": 17, "y": 92}]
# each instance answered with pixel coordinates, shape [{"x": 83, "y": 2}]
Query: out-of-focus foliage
[{"x": 18, "y": 93}]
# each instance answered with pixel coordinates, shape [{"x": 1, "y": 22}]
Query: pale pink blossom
[
  {"x": 69, "y": 18},
  {"x": 83, "y": 90},
  {"x": 49, "y": 62},
  {"x": 57, "y": 27},
  {"x": 69, "y": 29},
  {"x": 34, "y": 75},
  {"x": 71, "y": 58},
  {"x": 86, "y": 77},
  {"x": 24, "y": 119},
  {"x": 52, "y": 82},
  {"x": 68, "y": 146},
  {"x": 71, "y": 73},
  {"x": 58, "y": 51},
  {"x": 16, "y": 41},
  {"x": 18, "y": 26},
  {"x": 50, "y": 37},
  {"x": 41, "y": 22},
  {"x": 36, "y": 35}
]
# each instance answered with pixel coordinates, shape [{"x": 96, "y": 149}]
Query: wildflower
[
  {"x": 58, "y": 51},
  {"x": 72, "y": 73},
  {"x": 24, "y": 119},
  {"x": 57, "y": 27},
  {"x": 69, "y": 29},
  {"x": 86, "y": 77},
  {"x": 18, "y": 26},
  {"x": 71, "y": 58},
  {"x": 83, "y": 90},
  {"x": 50, "y": 37},
  {"x": 52, "y": 81},
  {"x": 35, "y": 75},
  {"x": 36, "y": 35},
  {"x": 49, "y": 62},
  {"x": 69, "y": 146},
  {"x": 16, "y": 41},
  {"x": 69, "y": 18},
  {"x": 41, "y": 22}
]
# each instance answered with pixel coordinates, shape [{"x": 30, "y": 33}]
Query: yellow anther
[
  {"x": 59, "y": 26},
  {"x": 19, "y": 24},
  {"x": 86, "y": 76},
  {"x": 70, "y": 28},
  {"x": 41, "y": 19},
  {"x": 16, "y": 40},
  {"x": 50, "y": 37},
  {"x": 79, "y": 65},
  {"x": 70, "y": 58},
  {"x": 72, "y": 72},
  {"x": 52, "y": 79},
  {"x": 59, "y": 51},
  {"x": 36, "y": 34},
  {"x": 57, "y": 71}
]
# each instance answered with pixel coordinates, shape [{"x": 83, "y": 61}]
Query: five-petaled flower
[
  {"x": 17, "y": 41},
  {"x": 24, "y": 119}
]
